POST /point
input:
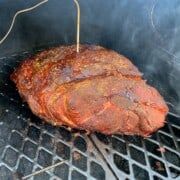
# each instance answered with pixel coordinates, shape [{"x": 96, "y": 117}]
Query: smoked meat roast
[{"x": 95, "y": 90}]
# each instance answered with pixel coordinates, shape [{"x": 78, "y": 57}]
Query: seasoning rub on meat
[{"x": 95, "y": 90}]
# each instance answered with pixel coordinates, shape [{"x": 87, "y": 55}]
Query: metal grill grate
[{"x": 28, "y": 144}]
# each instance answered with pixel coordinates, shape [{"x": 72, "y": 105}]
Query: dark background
[{"x": 146, "y": 31}]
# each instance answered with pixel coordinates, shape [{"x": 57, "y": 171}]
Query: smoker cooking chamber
[{"x": 28, "y": 144}]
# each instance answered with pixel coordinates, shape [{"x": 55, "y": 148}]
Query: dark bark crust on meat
[{"x": 96, "y": 90}]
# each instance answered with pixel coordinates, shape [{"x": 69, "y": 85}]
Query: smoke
[{"x": 145, "y": 31}]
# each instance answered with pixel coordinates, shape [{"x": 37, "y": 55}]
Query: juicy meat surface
[{"x": 95, "y": 90}]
